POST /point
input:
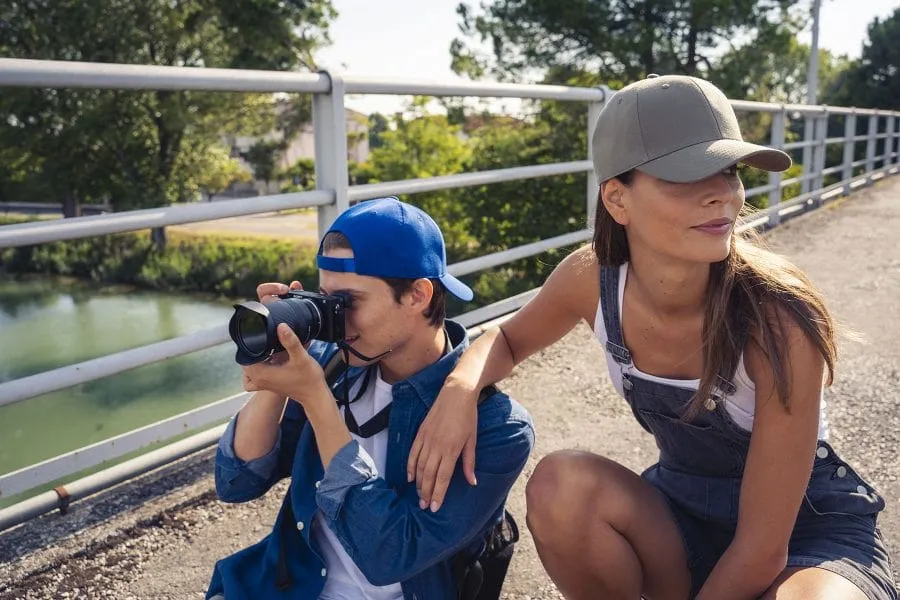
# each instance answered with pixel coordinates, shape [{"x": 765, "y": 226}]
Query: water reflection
[{"x": 47, "y": 324}]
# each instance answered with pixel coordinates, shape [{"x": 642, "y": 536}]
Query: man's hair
[{"x": 437, "y": 308}]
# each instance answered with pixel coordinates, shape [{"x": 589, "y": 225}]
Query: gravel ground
[{"x": 158, "y": 537}]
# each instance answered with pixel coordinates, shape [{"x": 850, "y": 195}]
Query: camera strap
[{"x": 380, "y": 421}]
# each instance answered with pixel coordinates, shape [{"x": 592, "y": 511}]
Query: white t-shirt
[
  {"x": 741, "y": 406},
  {"x": 345, "y": 581}
]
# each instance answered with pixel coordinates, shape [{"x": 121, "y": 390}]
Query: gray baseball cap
[{"x": 675, "y": 128}]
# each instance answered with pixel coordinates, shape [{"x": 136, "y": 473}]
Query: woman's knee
[{"x": 567, "y": 485}]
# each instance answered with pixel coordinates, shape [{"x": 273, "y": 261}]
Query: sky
[{"x": 410, "y": 39}]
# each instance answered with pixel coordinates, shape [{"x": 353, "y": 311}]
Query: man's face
[{"x": 375, "y": 321}]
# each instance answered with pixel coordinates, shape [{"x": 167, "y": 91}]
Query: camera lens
[
  {"x": 253, "y": 326},
  {"x": 299, "y": 313},
  {"x": 252, "y": 331}
]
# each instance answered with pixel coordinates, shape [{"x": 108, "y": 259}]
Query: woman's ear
[{"x": 612, "y": 194}]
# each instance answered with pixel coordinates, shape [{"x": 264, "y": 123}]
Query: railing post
[
  {"x": 889, "y": 141},
  {"x": 808, "y": 136},
  {"x": 849, "y": 150},
  {"x": 777, "y": 141},
  {"x": 821, "y": 148},
  {"x": 593, "y": 189},
  {"x": 870, "y": 146},
  {"x": 330, "y": 141}
]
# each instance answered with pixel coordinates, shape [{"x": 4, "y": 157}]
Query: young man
[{"x": 352, "y": 524}]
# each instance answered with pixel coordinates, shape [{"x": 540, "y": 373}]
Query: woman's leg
[
  {"x": 603, "y": 532},
  {"x": 811, "y": 583}
]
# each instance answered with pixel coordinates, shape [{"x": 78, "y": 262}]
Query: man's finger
[
  {"x": 442, "y": 482},
  {"x": 264, "y": 290},
  {"x": 290, "y": 341},
  {"x": 296, "y": 285}
]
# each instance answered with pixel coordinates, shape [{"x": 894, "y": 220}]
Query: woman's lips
[{"x": 715, "y": 226}]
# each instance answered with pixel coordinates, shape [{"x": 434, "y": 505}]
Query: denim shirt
[{"x": 376, "y": 516}]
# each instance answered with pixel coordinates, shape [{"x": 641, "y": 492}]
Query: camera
[{"x": 310, "y": 315}]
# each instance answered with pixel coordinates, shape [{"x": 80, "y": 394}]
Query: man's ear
[
  {"x": 612, "y": 194},
  {"x": 419, "y": 295}
]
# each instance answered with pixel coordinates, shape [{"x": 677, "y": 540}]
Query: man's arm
[
  {"x": 388, "y": 536},
  {"x": 258, "y": 446}
]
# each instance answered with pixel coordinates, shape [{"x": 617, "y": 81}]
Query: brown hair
[
  {"x": 750, "y": 293},
  {"x": 437, "y": 308}
]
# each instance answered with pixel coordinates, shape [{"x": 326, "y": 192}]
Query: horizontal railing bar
[
  {"x": 443, "y": 182},
  {"x": 835, "y": 140},
  {"x": 476, "y": 321},
  {"x": 111, "y": 364},
  {"x": 760, "y": 189},
  {"x": 755, "y": 106},
  {"x": 859, "y": 163},
  {"x": 507, "y": 256},
  {"x": 361, "y": 84},
  {"x": 18, "y": 72},
  {"x": 76, "y": 490},
  {"x": 24, "y": 388},
  {"x": 90, "y": 456},
  {"x": 492, "y": 311},
  {"x": 802, "y": 144},
  {"x": 798, "y": 179},
  {"x": 831, "y": 170},
  {"x": 38, "y": 232}
]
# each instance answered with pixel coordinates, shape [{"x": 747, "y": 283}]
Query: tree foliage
[
  {"x": 872, "y": 81},
  {"x": 143, "y": 148},
  {"x": 620, "y": 40}
]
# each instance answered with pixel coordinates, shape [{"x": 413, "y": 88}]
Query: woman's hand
[{"x": 450, "y": 429}]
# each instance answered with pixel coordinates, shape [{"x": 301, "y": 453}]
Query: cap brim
[
  {"x": 457, "y": 287},
  {"x": 708, "y": 158}
]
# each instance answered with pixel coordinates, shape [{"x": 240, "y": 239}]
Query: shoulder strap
[{"x": 609, "y": 305}]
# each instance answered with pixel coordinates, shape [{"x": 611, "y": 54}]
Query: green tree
[
  {"x": 618, "y": 40},
  {"x": 263, "y": 158},
  {"x": 425, "y": 145},
  {"x": 378, "y": 124},
  {"x": 130, "y": 148},
  {"x": 872, "y": 81}
]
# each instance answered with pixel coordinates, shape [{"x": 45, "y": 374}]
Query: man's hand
[{"x": 294, "y": 374}]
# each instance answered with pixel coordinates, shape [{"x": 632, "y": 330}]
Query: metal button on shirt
[
  {"x": 299, "y": 525},
  {"x": 822, "y": 452}
]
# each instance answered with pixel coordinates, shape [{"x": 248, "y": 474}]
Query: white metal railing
[{"x": 334, "y": 195}]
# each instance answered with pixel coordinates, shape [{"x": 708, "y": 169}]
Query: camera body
[
  {"x": 331, "y": 309},
  {"x": 253, "y": 326}
]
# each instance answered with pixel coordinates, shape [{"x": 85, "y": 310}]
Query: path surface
[{"x": 159, "y": 537}]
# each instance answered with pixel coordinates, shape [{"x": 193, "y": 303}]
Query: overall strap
[{"x": 609, "y": 305}]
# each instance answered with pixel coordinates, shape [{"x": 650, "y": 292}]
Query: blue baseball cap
[{"x": 390, "y": 238}]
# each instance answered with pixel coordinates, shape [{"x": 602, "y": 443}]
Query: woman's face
[{"x": 685, "y": 221}]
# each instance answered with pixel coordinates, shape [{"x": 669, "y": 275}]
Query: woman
[{"x": 722, "y": 350}]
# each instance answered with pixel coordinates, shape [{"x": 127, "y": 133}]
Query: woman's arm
[
  {"x": 779, "y": 463},
  {"x": 568, "y": 295}
]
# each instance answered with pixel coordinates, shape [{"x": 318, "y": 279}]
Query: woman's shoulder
[{"x": 577, "y": 280}]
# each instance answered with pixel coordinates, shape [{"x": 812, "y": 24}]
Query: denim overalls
[{"x": 699, "y": 472}]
